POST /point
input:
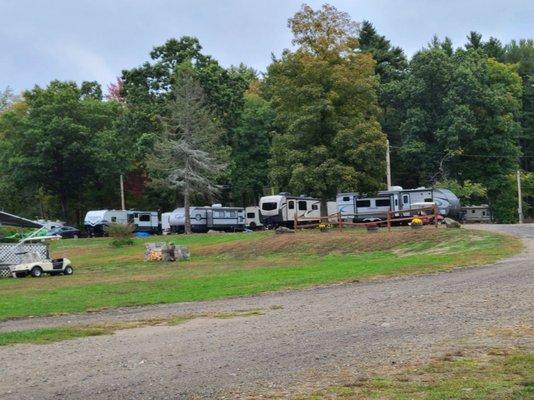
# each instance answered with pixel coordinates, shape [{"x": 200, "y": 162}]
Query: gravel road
[{"x": 303, "y": 338}]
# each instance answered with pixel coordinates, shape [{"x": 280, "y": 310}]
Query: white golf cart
[{"x": 31, "y": 256}]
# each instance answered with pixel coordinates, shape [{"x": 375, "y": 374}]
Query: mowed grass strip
[
  {"x": 231, "y": 265},
  {"x": 61, "y": 333}
]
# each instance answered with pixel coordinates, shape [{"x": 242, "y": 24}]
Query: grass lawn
[
  {"x": 228, "y": 265},
  {"x": 498, "y": 374}
]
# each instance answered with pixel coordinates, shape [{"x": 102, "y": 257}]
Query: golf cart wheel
[
  {"x": 37, "y": 271},
  {"x": 68, "y": 270}
]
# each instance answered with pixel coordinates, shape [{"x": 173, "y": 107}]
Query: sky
[{"x": 78, "y": 40}]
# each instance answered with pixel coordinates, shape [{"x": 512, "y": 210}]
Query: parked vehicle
[
  {"x": 31, "y": 256},
  {"x": 37, "y": 268},
  {"x": 362, "y": 208},
  {"x": 253, "y": 218},
  {"x": 479, "y": 214},
  {"x": 144, "y": 221},
  {"x": 203, "y": 219},
  {"x": 66, "y": 232},
  {"x": 280, "y": 209}
]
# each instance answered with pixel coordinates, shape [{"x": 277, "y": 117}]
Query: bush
[{"x": 122, "y": 234}]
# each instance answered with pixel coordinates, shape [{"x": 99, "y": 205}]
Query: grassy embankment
[{"x": 230, "y": 265}]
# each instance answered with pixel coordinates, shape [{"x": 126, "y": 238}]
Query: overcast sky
[{"x": 41, "y": 40}]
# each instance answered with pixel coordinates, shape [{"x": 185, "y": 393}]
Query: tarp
[{"x": 14, "y": 220}]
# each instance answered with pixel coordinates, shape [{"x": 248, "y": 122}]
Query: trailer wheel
[
  {"x": 68, "y": 270},
  {"x": 37, "y": 271}
]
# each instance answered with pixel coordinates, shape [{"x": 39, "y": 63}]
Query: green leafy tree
[
  {"x": 391, "y": 68},
  {"x": 250, "y": 152},
  {"x": 325, "y": 95},
  {"x": 521, "y": 53},
  {"x": 53, "y": 144}
]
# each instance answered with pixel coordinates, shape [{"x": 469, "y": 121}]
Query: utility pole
[
  {"x": 388, "y": 166},
  {"x": 519, "y": 198},
  {"x": 123, "y": 205}
]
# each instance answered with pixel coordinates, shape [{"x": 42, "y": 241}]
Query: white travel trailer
[
  {"x": 361, "y": 208},
  {"x": 203, "y": 219},
  {"x": 144, "y": 221},
  {"x": 253, "y": 217},
  {"x": 280, "y": 209}
]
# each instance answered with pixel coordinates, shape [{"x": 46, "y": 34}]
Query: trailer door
[{"x": 209, "y": 218}]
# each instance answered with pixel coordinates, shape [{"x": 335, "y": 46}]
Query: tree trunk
[
  {"x": 187, "y": 214},
  {"x": 64, "y": 207},
  {"x": 324, "y": 207}
]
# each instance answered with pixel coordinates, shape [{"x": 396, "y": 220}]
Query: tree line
[{"x": 182, "y": 128}]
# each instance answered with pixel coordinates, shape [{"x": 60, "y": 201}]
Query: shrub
[{"x": 122, "y": 234}]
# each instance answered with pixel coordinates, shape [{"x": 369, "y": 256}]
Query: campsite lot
[{"x": 241, "y": 264}]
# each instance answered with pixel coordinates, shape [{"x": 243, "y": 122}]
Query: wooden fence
[{"x": 392, "y": 217}]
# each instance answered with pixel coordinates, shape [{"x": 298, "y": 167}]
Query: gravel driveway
[{"x": 303, "y": 338}]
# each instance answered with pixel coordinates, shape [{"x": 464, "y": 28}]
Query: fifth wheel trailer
[{"x": 354, "y": 207}]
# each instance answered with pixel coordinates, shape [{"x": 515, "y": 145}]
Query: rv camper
[
  {"x": 280, "y": 209},
  {"x": 144, "y": 221},
  {"x": 479, "y": 213},
  {"x": 253, "y": 218},
  {"x": 354, "y": 207},
  {"x": 203, "y": 219}
]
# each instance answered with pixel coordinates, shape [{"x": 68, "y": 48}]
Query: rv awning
[{"x": 13, "y": 220}]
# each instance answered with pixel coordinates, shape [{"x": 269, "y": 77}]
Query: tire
[
  {"x": 37, "y": 272},
  {"x": 68, "y": 270}
]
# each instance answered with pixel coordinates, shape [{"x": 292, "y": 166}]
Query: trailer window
[
  {"x": 315, "y": 207},
  {"x": 405, "y": 199},
  {"x": 218, "y": 214},
  {"x": 346, "y": 198},
  {"x": 429, "y": 200},
  {"x": 383, "y": 203},
  {"x": 251, "y": 215},
  {"x": 144, "y": 218},
  {"x": 291, "y": 205},
  {"x": 231, "y": 214},
  {"x": 303, "y": 205},
  {"x": 269, "y": 206},
  {"x": 113, "y": 219},
  {"x": 363, "y": 203}
]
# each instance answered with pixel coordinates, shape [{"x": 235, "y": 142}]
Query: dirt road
[{"x": 303, "y": 338}]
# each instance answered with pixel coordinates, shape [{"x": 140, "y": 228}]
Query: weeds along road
[{"x": 304, "y": 338}]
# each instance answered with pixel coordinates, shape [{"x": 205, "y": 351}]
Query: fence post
[
  {"x": 339, "y": 221},
  {"x": 295, "y": 222},
  {"x": 389, "y": 220},
  {"x": 436, "y": 213}
]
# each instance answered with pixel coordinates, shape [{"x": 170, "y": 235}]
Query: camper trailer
[
  {"x": 354, "y": 207},
  {"x": 144, "y": 221},
  {"x": 479, "y": 214},
  {"x": 203, "y": 219},
  {"x": 280, "y": 209},
  {"x": 253, "y": 218}
]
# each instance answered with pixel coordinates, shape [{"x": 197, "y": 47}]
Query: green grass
[
  {"x": 61, "y": 333},
  {"x": 501, "y": 376},
  {"x": 230, "y": 265},
  {"x": 47, "y": 335}
]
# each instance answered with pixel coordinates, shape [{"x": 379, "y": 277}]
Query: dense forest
[{"x": 315, "y": 122}]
